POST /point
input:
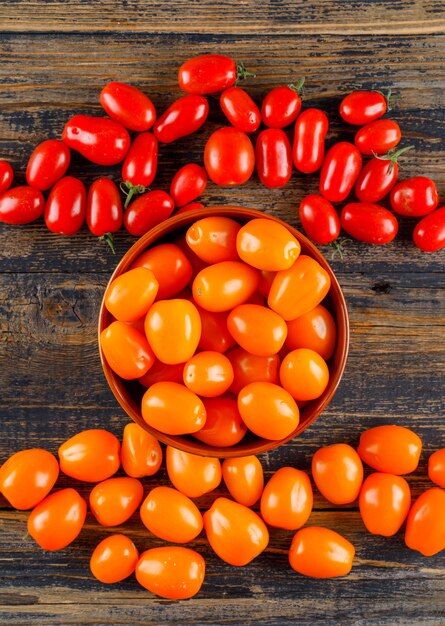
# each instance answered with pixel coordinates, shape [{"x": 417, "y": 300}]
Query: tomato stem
[
  {"x": 298, "y": 88},
  {"x": 338, "y": 249},
  {"x": 242, "y": 73},
  {"x": 389, "y": 101},
  {"x": 108, "y": 238},
  {"x": 392, "y": 156},
  {"x": 130, "y": 190}
]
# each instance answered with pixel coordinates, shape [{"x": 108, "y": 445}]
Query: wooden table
[{"x": 54, "y": 59}]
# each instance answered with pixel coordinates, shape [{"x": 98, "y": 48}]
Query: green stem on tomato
[
  {"x": 242, "y": 73},
  {"x": 108, "y": 239},
  {"x": 338, "y": 249},
  {"x": 298, "y": 88},
  {"x": 130, "y": 190},
  {"x": 392, "y": 156}
]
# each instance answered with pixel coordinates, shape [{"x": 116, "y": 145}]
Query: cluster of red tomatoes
[
  {"x": 236, "y": 533},
  {"x": 229, "y": 159}
]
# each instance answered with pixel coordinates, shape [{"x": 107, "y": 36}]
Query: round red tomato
[
  {"x": 414, "y": 197},
  {"x": 113, "y": 501},
  {"x": 47, "y": 164},
  {"x": 141, "y": 162},
  {"x": 319, "y": 219},
  {"x": 184, "y": 117},
  {"x": 390, "y": 449},
  {"x": 425, "y": 526},
  {"x": 287, "y": 499},
  {"x": 282, "y": 105},
  {"x": 315, "y": 330},
  {"x": 229, "y": 157},
  {"x": 188, "y": 183},
  {"x": 170, "y": 515},
  {"x": 320, "y": 553},
  {"x": 378, "y": 137},
  {"x": 141, "y": 453},
  {"x": 209, "y": 73},
  {"x": 129, "y": 296},
  {"x": 244, "y": 479},
  {"x": 311, "y": 129},
  {"x": 170, "y": 266},
  {"x": 257, "y": 329},
  {"x": 147, "y": 211},
  {"x": 6, "y": 176},
  {"x": 338, "y": 473},
  {"x": 248, "y": 368},
  {"x": 339, "y": 172},
  {"x": 240, "y": 109},
  {"x": 368, "y": 222},
  {"x": 213, "y": 239},
  {"x": 66, "y": 206},
  {"x": 104, "y": 209},
  {"x": 362, "y": 107},
  {"x": 191, "y": 474},
  {"x": 114, "y": 559},
  {"x": 384, "y": 503},
  {"x": 208, "y": 374},
  {"x": 429, "y": 234},
  {"x": 91, "y": 455},
  {"x": 173, "y": 409},
  {"x": 223, "y": 286},
  {"x": 21, "y": 205},
  {"x": 98, "y": 139},
  {"x": 126, "y": 350},
  {"x": 224, "y": 426},
  {"x": 128, "y": 106},
  {"x": 273, "y": 158}
]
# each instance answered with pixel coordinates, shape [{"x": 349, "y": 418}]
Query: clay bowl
[{"x": 129, "y": 393}]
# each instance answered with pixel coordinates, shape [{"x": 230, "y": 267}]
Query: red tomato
[
  {"x": 129, "y": 296},
  {"x": 193, "y": 206},
  {"x": 414, "y": 197},
  {"x": 436, "y": 468},
  {"x": 113, "y": 501},
  {"x": 160, "y": 372},
  {"x": 148, "y": 211},
  {"x": 184, "y": 117},
  {"x": 282, "y": 105},
  {"x": 248, "y": 368},
  {"x": 213, "y": 239},
  {"x": 315, "y": 330},
  {"x": 141, "y": 453},
  {"x": 114, "y": 559},
  {"x": 311, "y": 129},
  {"x": 425, "y": 526},
  {"x": 173, "y": 409},
  {"x": 47, "y": 164},
  {"x": 390, "y": 449},
  {"x": 340, "y": 170},
  {"x": 266, "y": 280},
  {"x": 104, "y": 209},
  {"x": 319, "y": 219},
  {"x": 320, "y": 553},
  {"x": 224, "y": 426},
  {"x": 6, "y": 176},
  {"x": 229, "y": 157},
  {"x": 58, "y": 519},
  {"x": 287, "y": 499},
  {"x": 215, "y": 334},
  {"x": 128, "y": 106},
  {"x": 338, "y": 473},
  {"x": 126, "y": 350},
  {"x": 170, "y": 515},
  {"x": 362, "y": 107},
  {"x": 384, "y": 503},
  {"x": 376, "y": 179},
  {"x": 257, "y": 329},
  {"x": 273, "y": 158},
  {"x": 210, "y": 73},
  {"x": 208, "y": 374},
  {"x": 244, "y": 479},
  {"x": 368, "y": 222},
  {"x": 223, "y": 286},
  {"x": 429, "y": 234},
  {"x": 304, "y": 374},
  {"x": 170, "y": 266},
  {"x": 240, "y": 109},
  {"x": 141, "y": 162},
  {"x": 21, "y": 205},
  {"x": 378, "y": 137},
  {"x": 91, "y": 455},
  {"x": 267, "y": 245},
  {"x": 66, "y": 206},
  {"x": 98, "y": 139},
  {"x": 27, "y": 477},
  {"x": 188, "y": 183},
  {"x": 191, "y": 474},
  {"x": 171, "y": 572}
]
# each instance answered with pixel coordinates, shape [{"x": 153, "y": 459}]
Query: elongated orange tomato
[
  {"x": 390, "y": 449},
  {"x": 223, "y": 286},
  {"x": 299, "y": 289},
  {"x": 384, "y": 502},
  {"x": 287, "y": 499},
  {"x": 235, "y": 532},
  {"x": 257, "y": 329},
  {"x": 248, "y": 368},
  {"x": 171, "y": 572},
  {"x": 337, "y": 471},
  {"x": 113, "y": 501},
  {"x": 436, "y": 467},
  {"x": 170, "y": 266},
  {"x": 91, "y": 455},
  {"x": 268, "y": 410},
  {"x": 191, "y": 474},
  {"x": 27, "y": 477},
  {"x": 320, "y": 553},
  {"x": 267, "y": 245},
  {"x": 224, "y": 426},
  {"x": 208, "y": 374},
  {"x": 244, "y": 478},
  {"x": 315, "y": 330},
  {"x": 171, "y": 515},
  {"x": 141, "y": 453},
  {"x": 213, "y": 239},
  {"x": 126, "y": 350},
  {"x": 304, "y": 374},
  {"x": 425, "y": 526},
  {"x": 114, "y": 559},
  {"x": 131, "y": 294},
  {"x": 173, "y": 409},
  {"x": 173, "y": 329}
]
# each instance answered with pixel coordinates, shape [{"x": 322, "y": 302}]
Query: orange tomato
[
  {"x": 314, "y": 330},
  {"x": 244, "y": 479},
  {"x": 425, "y": 526},
  {"x": 268, "y": 410},
  {"x": 160, "y": 372},
  {"x": 320, "y": 553},
  {"x": 170, "y": 515},
  {"x": 196, "y": 263},
  {"x": 299, "y": 289},
  {"x": 266, "y": 280},
  {"x": 126, "y": 350},
  {"x": 304, "y": 374},
  {"x": 248, "y": 368},
  {"x": 235, "y": 532},
  {"x": 27, "y": 477},
  {"x": 215, "y": 335},
  {"x": 256, "y": 298},
  {"x": 208, "y": 374},
  {"x": 170, "y": 266},
  {"x": 287, "y": 499},
  {"x": 171, "y": 572},
  {"x": 390, "y": 449},
  {"x": 191, "y": 474},
  {"x": 91, "y": 455},
  {"x": 384, "y": 502},
  {"x": 114, "y": 559},
  {"x": 173, "y": 329},
  {"x": 436, "y": 467},
  {"x": 57, "y": 520},
  {"x": 223, "y": 286},
  {"x": 213, "y": 239},
  {"x": 113, "y": 501},
  {"x": 267, "y": 245},
  {"x": 173, "y": 409},
  {"x": 141, "y": 453},
  {"x": 129, "y": 296},
  {"x": 338, "y": 473},
  {"x": 257, "y": 329},
  {"x": 224, "y": 426}
]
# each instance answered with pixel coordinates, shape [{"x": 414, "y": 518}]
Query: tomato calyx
[
  {"x": 392, "y": 156},
  {"x": 338, "y": 248},
  {"x": 242, "y": 73},
  {"x": 298, "y": 88},
  {"x": 129, "y": 189},
  {"x": 108, "y": 239}
]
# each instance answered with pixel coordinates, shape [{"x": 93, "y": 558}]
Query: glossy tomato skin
[
  {"x": 128, "y": 106},
  {"x": 141, "y": 453},
  {"x": 114, "y": 559},
  {"x": 319, "y": 219},
  {"x": 429, "y": 233},
  {"x": 213, "y": 239},
  {"x": 376, "y": 180},
  {"x": 191, "y": 474},
  {"x": 56, "y": 521},
  {"x": 147, "y": 211},
  {"x": 384, "y": 502},
  {"x": 337, "y": 471},
  {"x": 184, "y": 117},
  {"x": 6, "y": 176},
  {"x": 215, "y": 334},
  {"x": 244, "y": 478},
  {"x": 193, "y": 206},
  {"x": 304, "y": 374},
  {"x": 235, "y": 532},
  {"x": 339, "y": 172},
  {"x": 315, "y": 330},
  {"x": 390, "y": 449},
  {"x": 224, "y": 426},
  {"x": 414, "y": 197},
  {"x": 308, "y": 148},
  {"x": 126, "y": 350},
  {"x": 320, "y": 553},
  {"x": 222, "y": 286},
  {"x": 141, "y": 162},
  {"x": 369, "y": 222},
  {"x": 207, "y": 73},
  {"x": 267, "y": 245},
  {"x": 113, "y": 501},
  {"x": 160, "y": 372},
  {"x": 229, "y": 157},
  {"x": 361, "y": 107},
  {"x": 436, "y": 467},
  {"x": 104, "y": 207},
  {"x": 240, "y": 109},
  {"x": 287, "y": 499},
  {"x": 257, "y": 329},
  {"x": 91, "y": 455},
  {"x": 425, "y": 526},
  {"x": 273, "y": 157},
  {"x": 208, "y": 374},
  {"x": 170, "y": 266},
  {"x": 170, "y": 515},
  {"x": 21, "y": 205},
  {"x": 66, "y": 206},
  {"x": 188, "y": 183},
  {"x": 248, "y": 368},
  {"x": 47, "y": 164},
  {"x": 98, "y": 139},
  {"x": 173, "y": 409},
  {"x": 281, "y": 106},
  {"x": 171, "y": 572},
  {"x": 378, "y": 137},
  {"x": 27, "y": 477},
  {"x": 129, "y": 296}
]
